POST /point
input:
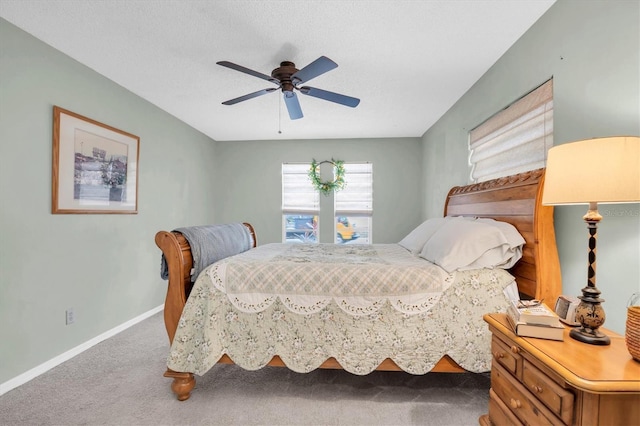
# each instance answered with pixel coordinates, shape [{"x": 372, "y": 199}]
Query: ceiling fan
[{"x": 288, "y": 78}]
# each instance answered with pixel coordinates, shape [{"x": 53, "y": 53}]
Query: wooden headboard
[{"x": 517, "y": 200}]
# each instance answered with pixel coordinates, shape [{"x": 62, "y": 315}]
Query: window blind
[
  {"x": 298, "y": 194},
  {"x": 356, "y": 198},
  {"x": 515, "y": 139}
]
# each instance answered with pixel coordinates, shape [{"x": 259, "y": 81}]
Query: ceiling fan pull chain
[{"x": 279, "y": 114}]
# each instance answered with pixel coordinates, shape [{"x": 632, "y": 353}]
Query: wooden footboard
[{"x": 177, "y": 253}]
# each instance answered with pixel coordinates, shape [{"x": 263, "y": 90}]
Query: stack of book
[{"x": 534, "y": 320}]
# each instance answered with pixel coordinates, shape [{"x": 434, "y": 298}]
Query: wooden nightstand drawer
[
  {"x": 519, "y": 400},
  {"x": 559, "y": 400},
  {"x": 506, "y": 356},
  {"x": 499, "y": 413}
]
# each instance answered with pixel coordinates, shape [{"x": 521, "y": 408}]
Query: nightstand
[{"x": 538, "y": 381}]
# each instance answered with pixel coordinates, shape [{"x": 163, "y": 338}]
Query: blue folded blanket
[{"x": 210, "y": 243}]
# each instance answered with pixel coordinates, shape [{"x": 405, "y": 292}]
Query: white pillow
[
  {"x": 416, "y": 239},
  {"x": 510, "y": 232},
  {"x": 473, "y": 244}
]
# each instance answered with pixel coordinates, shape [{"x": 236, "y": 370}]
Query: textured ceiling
[{"x": 408, "y": 61}]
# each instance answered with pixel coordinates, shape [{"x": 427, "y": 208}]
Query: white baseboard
[{"x": 46, "y": 366}]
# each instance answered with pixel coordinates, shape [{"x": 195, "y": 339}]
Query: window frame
[{"x": 301, "y": 184}]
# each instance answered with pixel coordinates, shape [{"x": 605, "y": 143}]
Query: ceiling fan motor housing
[{"x": 284, "y": 73}]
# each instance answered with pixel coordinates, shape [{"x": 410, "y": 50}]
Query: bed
[{"x": 463, "y": 346}]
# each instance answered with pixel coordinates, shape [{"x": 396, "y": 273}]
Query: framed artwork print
[{"x": 95, "y": 166}]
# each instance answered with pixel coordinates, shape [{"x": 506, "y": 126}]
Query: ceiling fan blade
[
  {"x": 330, "y": 96},
  {"x": 249, "y": 96},
  {"x": 248, "y": 71},
  {"x": 314, "y": 69},
  {"x": 293, "y": 106}
]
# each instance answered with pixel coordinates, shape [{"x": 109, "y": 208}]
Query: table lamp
[{"x": 593, "y": 171}]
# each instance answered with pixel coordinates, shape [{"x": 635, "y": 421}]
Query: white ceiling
[{"x": 408, "y": 61}]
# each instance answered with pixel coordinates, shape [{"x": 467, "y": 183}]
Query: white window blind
[
  {"x": 356, "y": 198},
  {"x": 298, "y": 194},
  {"x": 515, "y": 139}
]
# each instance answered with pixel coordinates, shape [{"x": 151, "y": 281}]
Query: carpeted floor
[{"x": 119, "y": 382}]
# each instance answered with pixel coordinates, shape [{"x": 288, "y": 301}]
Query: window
[
  {"x": 300, "y": 205},
  {"x": 352, "y": 210},
  {"x": 353, "y": 205},
  {"x": 515, "y": 139}
]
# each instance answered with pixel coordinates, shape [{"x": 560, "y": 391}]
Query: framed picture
[{"x": 95, "y": 166}]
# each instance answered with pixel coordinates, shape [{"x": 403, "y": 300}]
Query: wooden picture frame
[{"x": 95, "y": 167}]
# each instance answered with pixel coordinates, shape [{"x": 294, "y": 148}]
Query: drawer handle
[
  {"x": 515, "y": 403},
  {"x": 537, "y": 388},
  {"x": 515, "y": 349},
  {"x": 498, "y": 355}
]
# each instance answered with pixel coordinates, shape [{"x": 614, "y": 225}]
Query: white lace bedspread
[
  {"x": 307, "y": 277},
  {"x": 212, "y": 326}
]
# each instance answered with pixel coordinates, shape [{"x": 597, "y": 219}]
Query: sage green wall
[
  {"x": 592, "y": 51},
  {"x": 251, "y": 189},
  {"x": 104, "y": 266}
]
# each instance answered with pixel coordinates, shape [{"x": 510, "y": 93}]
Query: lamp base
[
  {"x": 593, "y": 337},
  {"x": 590, "y": 315}
]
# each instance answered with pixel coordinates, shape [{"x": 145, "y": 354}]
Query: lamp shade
[{"x": 601, "y": 170}]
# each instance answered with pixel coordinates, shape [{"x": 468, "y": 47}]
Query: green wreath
[{"x": 327, "y": 187}]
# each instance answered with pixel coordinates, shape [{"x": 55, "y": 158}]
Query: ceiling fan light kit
[{"x": 288, "y": 78}]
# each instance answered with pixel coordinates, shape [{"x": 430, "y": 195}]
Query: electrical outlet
[{"x": 71, "y": 316}]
